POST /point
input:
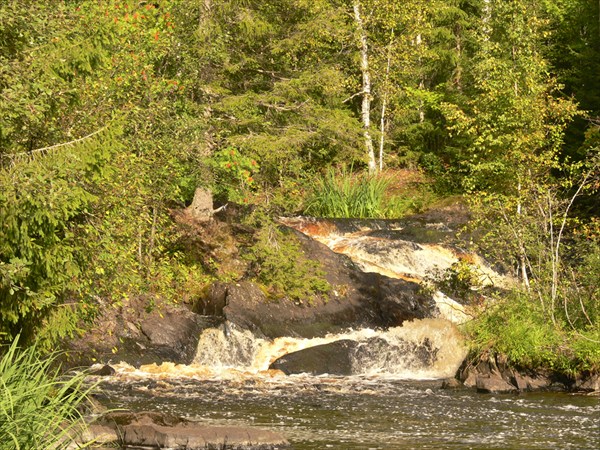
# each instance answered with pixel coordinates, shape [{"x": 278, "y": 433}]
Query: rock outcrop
[
  {"x": 495, "y": 375},
  {"x": 153, "y": 430},
  {"x": 358, "y": 299},
  {"x": 137, "y": 336}
]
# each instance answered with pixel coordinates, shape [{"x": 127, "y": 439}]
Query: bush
[
  {"x": 519, "y": 328},
  {"x": 278, "y": 263},
  {"x": 38, "y": 408}
]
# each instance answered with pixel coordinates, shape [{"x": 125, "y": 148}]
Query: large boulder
[
  {"x": 154, "y": 430},
  {"x": 357, "y": 299},
  {"x": 350, "y": 357},
  {"x": 138, "y": 335},
  {"x": 333, "y": 358}
]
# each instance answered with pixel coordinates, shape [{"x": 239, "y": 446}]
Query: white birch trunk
[
  {"x": 366, "y": 91},
  {"x": 486, "y": 19},
  {"x": 384, "y": 102}
]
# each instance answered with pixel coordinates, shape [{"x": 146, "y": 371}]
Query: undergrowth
[{"x": 519, "y": 328}]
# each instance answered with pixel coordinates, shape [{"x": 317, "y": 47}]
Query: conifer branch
[{"x": 13, "y": 156}]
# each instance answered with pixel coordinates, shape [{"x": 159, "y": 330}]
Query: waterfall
[{"x": 421, "y": 349}]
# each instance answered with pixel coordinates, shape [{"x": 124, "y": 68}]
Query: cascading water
[
  {"x": 387, "y": 402},
  {"x": 408, "y": 251},
  {"x": 422, "y": 349}
]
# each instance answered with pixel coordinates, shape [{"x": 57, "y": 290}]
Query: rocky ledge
[
  {"x": 152, "y": 430},
  {"x": 494, "y": 375}
]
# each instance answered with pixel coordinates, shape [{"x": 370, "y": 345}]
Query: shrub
[
  {"x": 38, "y": 408},
  {"x": 519, "y": 328},
  {"x": 278, "y": 263}
]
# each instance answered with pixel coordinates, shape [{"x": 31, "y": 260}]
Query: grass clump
[
  {"x": 38, "y": 408},
  {"x": 342, "y": 194}
]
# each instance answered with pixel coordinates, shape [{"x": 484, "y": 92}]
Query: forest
[{"x": 113, "y": 112}]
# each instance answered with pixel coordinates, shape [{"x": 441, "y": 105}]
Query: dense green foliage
[
  {"x": 521, "y": 330},
  {"x": 38, "y": 408},
  {"x": 280, "y": 266},
  {"x": 113, "y": 112}
]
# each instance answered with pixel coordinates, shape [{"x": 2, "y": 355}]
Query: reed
[
  {"x": 38, "y": 407},
  {"x": 345, "y": 195}
]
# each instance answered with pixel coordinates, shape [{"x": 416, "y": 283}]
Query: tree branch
[{"x": 52, "y": 147}]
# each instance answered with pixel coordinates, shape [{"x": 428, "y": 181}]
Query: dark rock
[
  {"x": 451, "y": 383},
  {"x": 104, "y": 371},
  {"x": 357, "y": 300},
  {"x": 588, "y": 383},
  {"x": 333, "y": 358},
  {"x": 174, "y": 333},
  {"x": 493, "y": 384},
  {"x": 520, "y": 382},
  {"x": 494, "y": 368},
  {"x": 535, "y": 382},
  {"x": 136, "y": 335},
  {"x": 156, "y": 430}
]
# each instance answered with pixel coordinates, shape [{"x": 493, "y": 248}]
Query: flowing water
[
  {"x": 392, "y": 399},
  {"x": 365, "y": 413}
]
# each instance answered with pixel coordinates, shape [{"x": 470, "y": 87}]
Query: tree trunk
[
  {"x": 386, "y": 88},
  {"x": 366, "y": 91}
]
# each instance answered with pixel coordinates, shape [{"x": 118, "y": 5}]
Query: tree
[
  {"x": 514, "y": 121},
  {"x": 366, "y": 85}
]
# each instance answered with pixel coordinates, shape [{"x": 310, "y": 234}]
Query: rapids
[{"x": 392, "y": 399}]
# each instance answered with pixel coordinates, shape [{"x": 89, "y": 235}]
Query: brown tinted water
[{"x": 368, "y": 412}]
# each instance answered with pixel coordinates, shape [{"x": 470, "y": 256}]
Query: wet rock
[
  {"x": 451, "y": 383},
  {"x": 588, "y": 383},
  {"x": 377, "y": 353},
  {"x": 333, "y": 358},
  {"x": 493, "y": 384},
  {"x": 156, "y": 430},
  {"x": 137, "y": 335},
  {"x": 523, "y": 380},
  {"x": 101, "y": 435},
  {"x": 357, "y": 300},
  {"x": 535, "y": 382},
  {"x": 103, "y": 371},
  {"x": 174, "y": 333}
]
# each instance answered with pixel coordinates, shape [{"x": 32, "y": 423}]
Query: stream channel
[{"x": 392, "y": 400}]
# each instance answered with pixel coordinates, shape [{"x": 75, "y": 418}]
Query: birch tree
[{"x": 366, "y": 85}]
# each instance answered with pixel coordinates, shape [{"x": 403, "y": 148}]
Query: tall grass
[
  {"x": 340, "y": 194},
  {"x": 343, "y": 195},
  {"x": 38, "y": 408}
]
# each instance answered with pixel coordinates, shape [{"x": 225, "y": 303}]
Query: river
[
  {"x": 323, "y": 412},
  {"x": 391, "y": 400}
]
